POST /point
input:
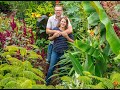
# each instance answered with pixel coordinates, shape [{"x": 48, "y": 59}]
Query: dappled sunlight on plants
[{"x": 92, "y": 61}]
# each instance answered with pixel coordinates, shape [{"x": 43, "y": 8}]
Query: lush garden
[{"x": 92, "y": 61}]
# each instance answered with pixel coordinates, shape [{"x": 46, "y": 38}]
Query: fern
[
  {"x": 1, "y": 76},
  {"x": 26, "y": 85},
  {"x": 5, "y": 68},
  {"x": 34, "y": 55},
  {"x": 39, "y": 87},
  {"x": 97, "y": 86},
  {"x": 27, "y": 65},
  {"x": 34, "y": 46},
  {"x": 23, "y": 79},
  {"x": 115, "y": 77},
  {"x": 28, "y": 74},
  {"x": 12, "y": 48},
  {"x": 23, "y": 51},
  {"x": 12, "y": 85},
  {"x": 106, "y": 82},
  {"x": 67, "y": 79},
  {"x": 14, "y": 61},
  {"x": 4, "y": 81},
  {"x": 37, "y": 71},
  {"x": 7, "y": 75},
  {"x": 15, "y": 70}
]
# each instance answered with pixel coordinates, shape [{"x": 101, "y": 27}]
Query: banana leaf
[
  {"x": 111, "y": 36},
  {"x": 99, "y": 57},
  {"x": 76, "y": 64}
]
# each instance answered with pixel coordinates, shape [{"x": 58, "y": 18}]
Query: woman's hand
[{"x": 64, "y": 34}]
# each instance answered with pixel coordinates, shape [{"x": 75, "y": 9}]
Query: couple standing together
[{"x": 59, "y": 30}]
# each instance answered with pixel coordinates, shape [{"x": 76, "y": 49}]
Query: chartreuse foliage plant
[
  {"x": 19, "y": 73},
  {"x": 16, "y": 73}
]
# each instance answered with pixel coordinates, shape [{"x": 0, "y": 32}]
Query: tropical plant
[{"x": 89, "y": 81}]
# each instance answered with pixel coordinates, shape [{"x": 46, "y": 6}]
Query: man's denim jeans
[
  {"x": 50, "y": 46},
  {"x": 55, "y": 57}
]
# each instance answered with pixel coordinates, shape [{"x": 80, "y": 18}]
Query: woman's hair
[{"x": 58, "y": 25}]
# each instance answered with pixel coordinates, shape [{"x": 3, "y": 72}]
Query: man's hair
[
  {"x": 58, "y": 5},
  {"x": 58, "y": 25}
]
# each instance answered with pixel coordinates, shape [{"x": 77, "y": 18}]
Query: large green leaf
[
  {"x": 87, "y": 7},
  {"x": 111, "y": 36},
  {"x": 93, "y": 19},
  {"x": 76, "y": 64},
  {"x": 96, "y": 53},
  {"x": 89, "y": 64}
]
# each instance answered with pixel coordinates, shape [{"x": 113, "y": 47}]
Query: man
[{"x": 52, "y": 23}]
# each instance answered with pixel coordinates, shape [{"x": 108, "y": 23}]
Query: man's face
[{"x": 58, "y": 11}]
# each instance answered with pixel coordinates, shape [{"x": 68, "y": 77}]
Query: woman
[{"x": 60, "y": 44}]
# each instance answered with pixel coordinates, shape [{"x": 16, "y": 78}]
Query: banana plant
[{"x": 96, "y": 58}]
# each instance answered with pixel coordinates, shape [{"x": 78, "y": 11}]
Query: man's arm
[
  {"x": 49, "y": 26},
  {"x": 69, "y": 30},
  {"x": 49, "y": 31},
  {"x": 53, "y": 36}
]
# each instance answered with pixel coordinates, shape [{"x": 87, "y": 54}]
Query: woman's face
[{"x": 63, "y": 23}]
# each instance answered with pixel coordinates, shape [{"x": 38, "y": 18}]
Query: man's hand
[{"x": 57, "y": 33}]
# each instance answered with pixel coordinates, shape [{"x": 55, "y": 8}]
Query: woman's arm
[
  {"x": 53, "y": 36},
  {"x": 68, "y": 38}
]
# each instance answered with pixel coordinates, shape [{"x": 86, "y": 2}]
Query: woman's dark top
[{"x": 60, "y": 43}]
